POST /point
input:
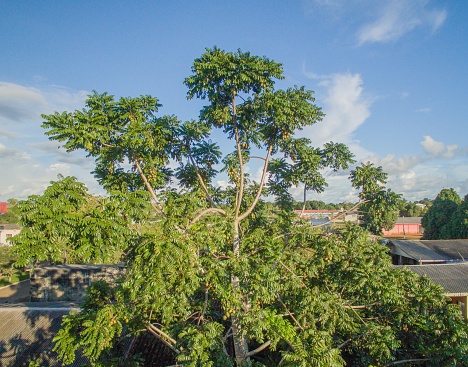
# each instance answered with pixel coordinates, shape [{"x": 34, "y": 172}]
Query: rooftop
[{"x": 452, "y": 277}]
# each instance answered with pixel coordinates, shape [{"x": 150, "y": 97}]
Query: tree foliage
[
  {"x": 213, "y": 268},
  {"x": 67, "y": 225},
  {"x": 447, "y": 217},
  {"x": 379, "y": 205}
]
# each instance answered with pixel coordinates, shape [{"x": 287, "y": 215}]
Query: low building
[
  {"x": 7, "y": 231},
  {"x": 406, "y": 226},
  {"x": 423, "y": 252}
]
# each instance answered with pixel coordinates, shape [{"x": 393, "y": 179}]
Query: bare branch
[
  {"x": 257, "y": 157},
  {"x": 408, "y": 360},
  {"x": 262, "y": 183},
  {"x": 342, "y": 345},
  {"x": 202, "y": 183},
  {"x": 259, "y": 349},
  {"x": 289, "y": 312},
  {"x": 156, "y": 205},
  {"x": 166, "y": 339},
  {"x": 362, "y": 306},
  {"x": 204, "y": 212}
]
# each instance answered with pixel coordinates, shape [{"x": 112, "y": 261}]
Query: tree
[
  {"x": 67, "y": 225},
  {"x": 214, "y": 267},
  {"x": 379, "y": 206},
  {"x": 438, "y": 221},
  {"x": 10, "y": 217},
  {"x": 460, "y": 220}
]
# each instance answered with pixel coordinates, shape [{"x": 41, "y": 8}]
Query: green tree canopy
[
  {"x": 438, "y": 222},
  {"x": 214, "y": 269},
  {"x": 67, "y": 225}
]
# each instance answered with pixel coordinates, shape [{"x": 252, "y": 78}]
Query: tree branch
[
  {"x": 202, "y": 183},
  {"x": 204, "y": 212},
  {"x": 166, "y": 339},
  {"x": 362, "y": 306},
  {"x": 289, "y": 312},
  {"x": 259, "y": 349},
  {"x": 240, "y": 193},
  {"x": 156, "y": 205},
  {"x": 339, "y": 216},
  {"x": 262, "y": 183},
  {"x": 408, "y": 360}
]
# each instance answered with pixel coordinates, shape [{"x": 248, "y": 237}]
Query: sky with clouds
[{"x": 390, "y": 75}]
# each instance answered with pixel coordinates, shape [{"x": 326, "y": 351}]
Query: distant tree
[
  {"x": 379, "y": 208},
  {"x": 438, "y": 222},
  {"x": 460, "y": 220},
  {"x": 411, "y": 209},
  {"x": 10, "y": 217}
]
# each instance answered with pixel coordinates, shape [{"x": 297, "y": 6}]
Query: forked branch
[{"x": 260, "y": 188}]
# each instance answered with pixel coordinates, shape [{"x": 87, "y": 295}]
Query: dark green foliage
[{"x": 439, "y": 221}]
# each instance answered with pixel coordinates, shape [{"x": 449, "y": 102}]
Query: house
[
  {"x": 405, "y": 226},
  {"x": 7, "y": 231},
  {"x": 452, "y": 277},
  {"x": 423, "y": 252}
]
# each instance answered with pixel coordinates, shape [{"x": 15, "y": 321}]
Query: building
[
  {"x": 7, "y": 231},
  {"x": 423, "y": 252},
  {"x": 406, "y": 226},
  {"x": 3, "y": 207}
]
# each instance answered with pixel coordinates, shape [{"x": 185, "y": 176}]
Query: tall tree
[
  {"x": 379, "y": 206},
  {"x": 214, "y": 267},
  {"x": 439, "y": 220}
]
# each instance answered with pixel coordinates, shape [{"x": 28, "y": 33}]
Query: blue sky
[{"x": 391, "y": 76}]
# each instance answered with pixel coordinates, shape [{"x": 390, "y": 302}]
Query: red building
[{"x": 3, "y": 207}]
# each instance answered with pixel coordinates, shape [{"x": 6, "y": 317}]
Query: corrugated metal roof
[
  {"x": 454, "y": 249},
  {"x": 452, "y": 277},
  {"x": 408, "y": 220},
  {"x": 418, "y": 250},
  {"x": 26, "y": 334}
]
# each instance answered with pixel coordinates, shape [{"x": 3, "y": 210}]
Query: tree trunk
[{"x": 240, "y": 343}]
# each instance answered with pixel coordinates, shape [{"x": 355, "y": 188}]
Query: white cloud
[
  {"x": 398, "y": 17},
  {"x": 30, "y": 161},
  {"x": 438, "y": 149},
  {"x": 346, "y": 108}
]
